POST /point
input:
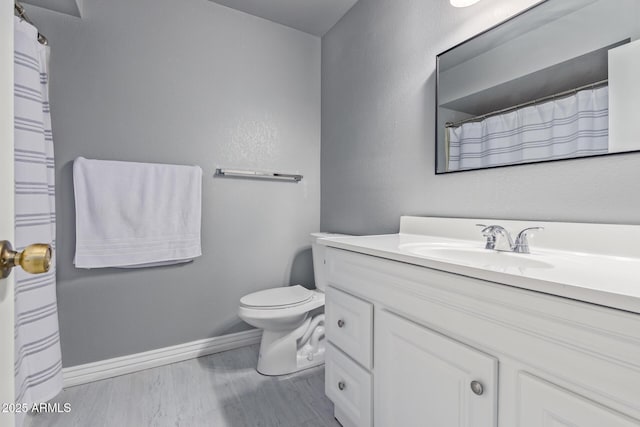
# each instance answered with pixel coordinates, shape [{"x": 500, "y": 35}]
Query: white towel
[{"x": 136, "y": 214}]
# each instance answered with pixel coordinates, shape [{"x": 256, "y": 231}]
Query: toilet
[{"x": 292, "y": 340}]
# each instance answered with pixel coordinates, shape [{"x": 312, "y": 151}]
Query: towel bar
[{"x": 235, "y": 173}]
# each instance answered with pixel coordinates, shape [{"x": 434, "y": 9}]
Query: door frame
[{"x": 7, "y": 380}]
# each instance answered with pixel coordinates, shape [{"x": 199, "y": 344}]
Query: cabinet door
[
  {"x": 423, "y": 378},
  {"x": 543, "y": 404}
]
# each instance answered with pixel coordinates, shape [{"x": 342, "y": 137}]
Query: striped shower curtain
[
  {"x": 577, "y": 125},
  {"x": 37, "y": 351}
]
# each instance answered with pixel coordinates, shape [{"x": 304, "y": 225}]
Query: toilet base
[{"x": 284, "y": 353}]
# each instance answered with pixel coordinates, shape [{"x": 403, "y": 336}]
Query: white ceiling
[{"x": 311, "y": 16}]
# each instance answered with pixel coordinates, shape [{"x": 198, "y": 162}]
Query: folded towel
[{"x": 136, "y": 214}]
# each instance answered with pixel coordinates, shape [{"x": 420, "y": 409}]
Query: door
[
  {"x": 6, "y": 208},
  {"x": 543, "y": 404},
  {"x": 423, "y": 378}
]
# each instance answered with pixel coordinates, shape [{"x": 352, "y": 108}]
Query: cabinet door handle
[
  {"x": 477, "y": 388},
  {"x": 340, "y": 323},
  {"x": 341, "y": 385}
]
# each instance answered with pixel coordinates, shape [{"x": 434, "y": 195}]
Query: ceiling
[{"x": 311, "y": 16}]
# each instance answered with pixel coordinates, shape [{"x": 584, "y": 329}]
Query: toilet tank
[{"x": 318, "y": 251}]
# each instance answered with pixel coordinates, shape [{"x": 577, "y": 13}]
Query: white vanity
[{"x": 429, "y": 328}]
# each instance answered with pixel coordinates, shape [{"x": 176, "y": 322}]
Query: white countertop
[{"x": 604, "y": 279}]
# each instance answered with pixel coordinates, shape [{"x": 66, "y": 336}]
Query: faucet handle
[
  {"x": 488, "y": 232},
  {"x": 521, "y": 244},
  {"x": 484, "y": 228},
  {"x": 487, "y": 229}
]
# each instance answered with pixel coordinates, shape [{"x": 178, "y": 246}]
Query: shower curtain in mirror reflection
[
  {"x": 577, "y": 125},
  {"x": 38, "y": 366}
]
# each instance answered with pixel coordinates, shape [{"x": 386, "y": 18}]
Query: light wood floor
[{"x": 220, "y": 390}]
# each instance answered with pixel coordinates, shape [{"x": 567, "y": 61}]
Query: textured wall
[
  {"x": 378, "y": 135},
  {"x": 187, "y": 82}
]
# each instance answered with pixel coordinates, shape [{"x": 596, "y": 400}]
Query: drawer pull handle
[
  {"x": 477, "y": 387},
  {"x": 341, "y": 385},
  {"x": 340, "y": 323}
]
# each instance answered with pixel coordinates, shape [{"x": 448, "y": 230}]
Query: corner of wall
[{"x": 79, "y": 6}]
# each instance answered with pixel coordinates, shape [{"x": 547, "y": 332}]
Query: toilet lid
[{"x": 277, "y": 297}]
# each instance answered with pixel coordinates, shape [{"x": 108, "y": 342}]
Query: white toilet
[{"x": 291, "y": 339}]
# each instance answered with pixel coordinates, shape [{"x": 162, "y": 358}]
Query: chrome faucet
[
  {"x": 520, "y": 245},
  {"x": 522, "y": 241},
  {"x": 491, "y": 232}
]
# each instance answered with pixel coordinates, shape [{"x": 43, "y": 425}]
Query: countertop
[{"x": 607, "y": 280}]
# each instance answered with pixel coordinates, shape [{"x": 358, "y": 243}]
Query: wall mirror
[{"x": 560, "y": 80}]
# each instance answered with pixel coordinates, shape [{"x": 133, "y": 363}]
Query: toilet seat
[
  {"x": 275, "y": 313},
  {"x": 277, "y": 298}
]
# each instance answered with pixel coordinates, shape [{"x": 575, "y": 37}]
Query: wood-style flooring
[{"x": 220, "y": 390}]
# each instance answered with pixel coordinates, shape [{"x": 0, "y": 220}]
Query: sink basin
[{"x": 477, "y": 257}]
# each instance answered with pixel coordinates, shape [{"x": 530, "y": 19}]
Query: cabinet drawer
[
  {"x": 349, "y": 387},
  {"x": 349, "y": 325}
]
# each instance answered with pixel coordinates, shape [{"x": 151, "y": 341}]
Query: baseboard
[{"x": 82, "y": 374}]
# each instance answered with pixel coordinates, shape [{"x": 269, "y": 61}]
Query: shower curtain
[
  {"x": 38, "y": 366},
  {"x": 577, "y": 125}
]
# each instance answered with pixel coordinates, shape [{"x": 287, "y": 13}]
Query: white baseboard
[{"x": 82, "y": 374}]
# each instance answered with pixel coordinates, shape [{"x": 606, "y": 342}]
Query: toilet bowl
[{"x": 292, "y": 340}]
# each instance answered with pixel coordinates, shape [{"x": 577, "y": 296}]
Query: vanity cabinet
[{"x": 432, "y": 348}]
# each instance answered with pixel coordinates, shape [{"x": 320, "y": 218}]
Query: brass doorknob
[{"x": 34, "y": 259}]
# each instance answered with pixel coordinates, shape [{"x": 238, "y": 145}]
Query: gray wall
[
  {"x": 186, "y": 82},
  {"x": 378, "y": 135}
]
